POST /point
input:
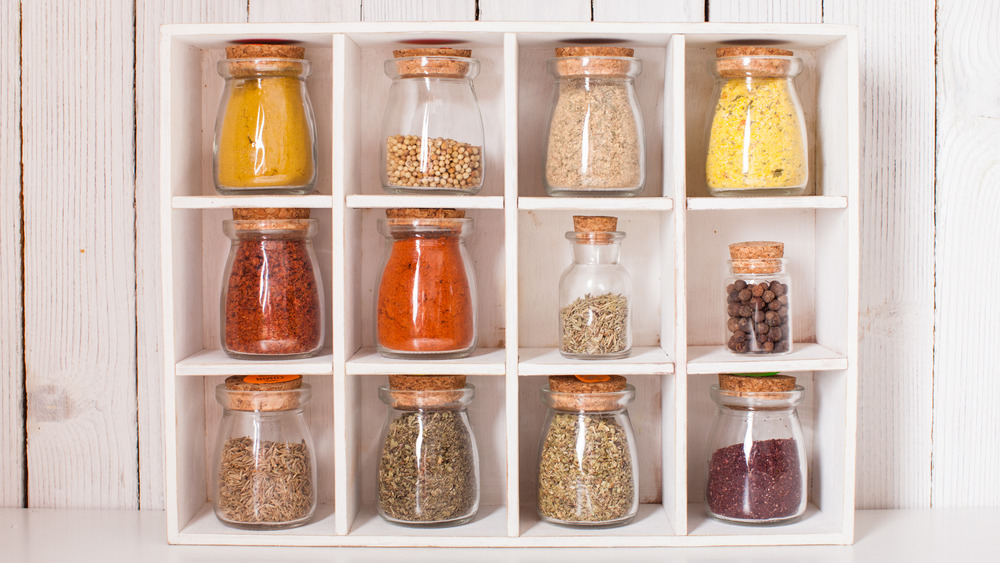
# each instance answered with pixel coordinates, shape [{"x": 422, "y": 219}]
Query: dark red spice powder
[
  {"x": 766, "y": 486},
  {"x": 424, "y": 301},
  {"x": 272, "y": 302}
]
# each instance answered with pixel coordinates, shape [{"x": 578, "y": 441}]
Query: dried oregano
[
  {"x": 265, "y": 482},
  {"x": 595, "y": 325},
  {"x": 593, "y": 485},
  {"x": 426, "y": 471}
]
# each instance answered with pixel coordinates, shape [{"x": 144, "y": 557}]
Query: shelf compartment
[
  {"x": 548, "y": 361},
  {"x": 384, "y": 201},
  {"x": 483, "y": 361},
  {"x": 815, "y": 527},
  {"x": 651, "y": 520},
  {"x": 605, "y": 204},
  {"x": 490, "y": 521},
  {"x": 805, "y": 356},
  {"x": 749, "y": 203},
  {"x": 205, "y": 528},
  {"x": 216, "y": 362}
]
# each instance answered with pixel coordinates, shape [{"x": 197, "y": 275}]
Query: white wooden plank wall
[
  {"x": 91, "y": 349},
  {"x": 966, "y": 417}
]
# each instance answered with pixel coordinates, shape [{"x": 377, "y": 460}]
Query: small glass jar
[
  {"x": 425, "y": 307},
  {"x": 265, "y": 131},
  {"x": 758, "y": 299},
  {"x": 428, "y": 469},
  {"x": 595, "y": 294},
  {"x": 272, "y": 292},
  {"x": 758, "y": 467},
  {"x": 432, "y": 130},
  {"x": 264, "y": 474},
  {"x": 595, "y": 145},
  {"x": 757, "y": 133},
  {"x": 588, "y": 465}
]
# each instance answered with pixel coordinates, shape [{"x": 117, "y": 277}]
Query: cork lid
[
  {"x": 442, "y": 62},
  {"x": 570, "y": 60},
  {"x": 587, "y": 392},
  {"x": 403, "y": 221},
  {"x": 757, "y": 256},
  {"x": 265, "y": 50},
  {"x": 741, "y": 383},
  {"x": 424, "y": 213},
  {"x": 262, "y": 392},
  {"x": 768, "y": 62},
  {"x": 265, "y": 59},
  {"x": 441, "y": 390},
  {"x": 594, "y": 229},
  {"x": 258, "y": 213}
]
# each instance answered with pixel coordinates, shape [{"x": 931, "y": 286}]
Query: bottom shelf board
[
  {"x": 206, "y": 529},
  {"x": 548, "y": 361},
  {"x": 651, "y": 520},
  {"x": 490, "y": 522},
  {"x": 805, "y": 356},
  {"x": 815, "y": 527},
  {"x": 216, "y": 362}
]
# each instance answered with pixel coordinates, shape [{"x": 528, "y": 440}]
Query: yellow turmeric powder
[{"x": 265, "y": 138}]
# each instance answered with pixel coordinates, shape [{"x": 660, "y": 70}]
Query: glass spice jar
[
  {"x": 272, "y": 292},
  {"x": 595, "y": 293},
  {"x": 757, "y": 471},
  {"x": 588, "y": 465},
  {"x": 265, "y": 131},
  {"x": 264, "y": 465},
  {"x": 758, "y": 299},
  {"x": 432, "y": 127},
  {"x": 428, "y": 470},
  {"x": 757, "y": 133},
  {"x": 425, "y": 307},
  {"x": 595, "y": 144}
]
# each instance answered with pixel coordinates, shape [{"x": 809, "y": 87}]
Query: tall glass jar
[
  {"x": 595, "y": 145},
  {"x": 432, "y": 129},
  {"x": 588, "y": 466},
  {"x": 758, "y": 299},
  {"x": 757, "y": 133},
  {"x": 264, "y": 474},
  {"x": 595, "y": 293},
  {"x": 425, "y": 307},
  {"x": 758, "y": 467},
  {"x": 265, "y": 131},
  {"x": 272, "y": 292},
  {"x": 428, "y": 470}
]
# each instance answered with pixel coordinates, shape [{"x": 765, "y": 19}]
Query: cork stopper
[
  {"x": 594, "y": 224},
  {"x": 429, "y": 62},
  {"x": 262, "y": 392},
  {"x": 259, "y": 213},
  {"x": 737, "y": 67},
  {"x": 438, "y": 385},
  {"x": 756, "y": 256},
  {"x": 587, "y": 392},
  {"x": 424, "y": 213},
  {"x": 574, "y": 65},
  {"x": 756, "y": 384},
  {"x": 283, "y": 59},
  {"x": 265, "y": 50}
]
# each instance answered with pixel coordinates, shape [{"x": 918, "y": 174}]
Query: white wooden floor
[{"x": 80, "y": 417}]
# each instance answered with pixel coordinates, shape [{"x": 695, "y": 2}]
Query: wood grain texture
[
  {"x": 966, "y": 419},
  {"x": 418, "y": 10},
  {"x": 11, "y": 335},
  {"x": 150, "y": 14},
  {"x": 304, "y": 11},
  {"x": 791, "y": 11},
  {"x": 80, "y": 324},
  {"x": 531, "y": 10},
  {"x": 649, "y": 10},
  {"x": 897, "y": 250}
]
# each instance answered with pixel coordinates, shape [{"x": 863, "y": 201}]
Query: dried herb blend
[
  {"x": 762, "y": 484},
  {"x": 595, "y": 325},
  {"x": 426, "y": 299},
  {"x": 595, "y": 135},
  {"x": 272, "y": 301},
  {"x": 757, "y": 136},
  {"x": 266, "y": 136},
  {"x": 265, "y": 482}
]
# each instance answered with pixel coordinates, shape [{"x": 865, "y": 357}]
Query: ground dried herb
[
  {"x": 595, "y": 325},
  {"x": 427, "y": 468},
  {"x": 272, "y": 301},
  {"x": 765, "y": 485},
  {"x": 593, "y": 485},
  {"x": 264, "y": 482}
]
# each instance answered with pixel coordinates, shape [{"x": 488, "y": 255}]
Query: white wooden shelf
[
  {"x": 548, "y": 361},
  {"x": 216, "y": 362},
  {"x": 675, "y": 251}
]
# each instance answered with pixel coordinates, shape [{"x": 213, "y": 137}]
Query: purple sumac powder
[{"x": 764, "y": 486}]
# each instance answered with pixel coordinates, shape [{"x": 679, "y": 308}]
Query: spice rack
[{"x": 675, "y": 251}]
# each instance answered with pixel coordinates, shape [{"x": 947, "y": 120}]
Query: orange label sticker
[
  {"x": 258, "y": 379},
  {"x": 593, "y": 378}
]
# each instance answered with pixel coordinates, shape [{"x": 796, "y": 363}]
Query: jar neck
[{"x": 587, "y": 253}]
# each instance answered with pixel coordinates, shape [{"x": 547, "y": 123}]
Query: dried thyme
[
  {"x": 265, "y": 482},
  {"x": 427, "y": 469},
  {"x": 595, "y": 325},
  {"x": 595, "y": 485}
]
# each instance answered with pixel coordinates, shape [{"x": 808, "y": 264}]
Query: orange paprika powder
[{"x": 426, "y": 302}]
